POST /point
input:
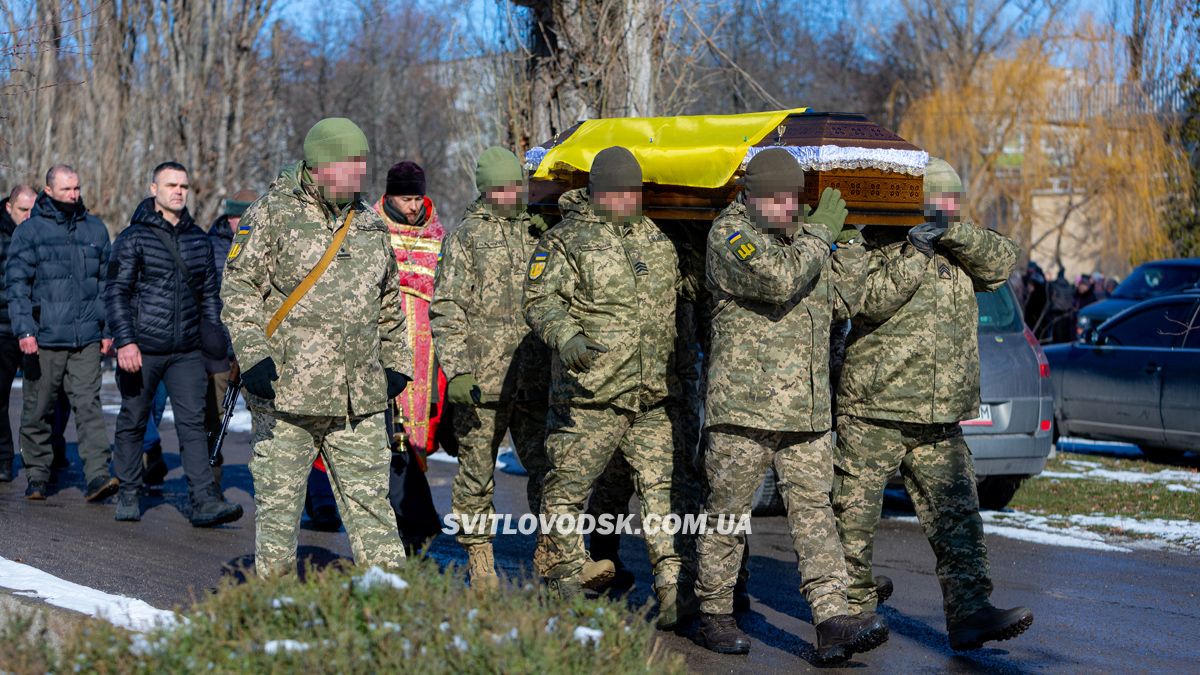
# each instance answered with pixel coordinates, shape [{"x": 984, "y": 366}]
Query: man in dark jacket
[
  {"x": 14, "y": 210},
  {"x": 55, "y": 301},
  {"x": 162, "y": 289}
]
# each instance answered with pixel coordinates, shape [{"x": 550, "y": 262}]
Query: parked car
[
  {"x": 1011, "y": 439},
  {"x": 1134, "y": 379},
  {"x": 1149, "y": 280}
]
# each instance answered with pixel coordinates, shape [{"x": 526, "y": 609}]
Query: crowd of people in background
[{"x": 1051, "y": 306}]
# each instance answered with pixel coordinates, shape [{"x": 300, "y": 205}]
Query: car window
[
  {"x": 998, "y": 312},
  {"x": 1151, "y": 280},
  {"x": 1161, "y": 325}
]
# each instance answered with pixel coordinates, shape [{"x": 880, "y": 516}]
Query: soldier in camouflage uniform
[
  {"x": 779, "y": 279},
  {"x": 911, "y": 374},
  {"x": 601, "y": 293},
  {"x": 498, "y": 372},
  {"x": 320, "y": 384}
]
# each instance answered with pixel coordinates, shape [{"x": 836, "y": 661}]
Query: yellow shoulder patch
[{"x": 234, "y": 251}]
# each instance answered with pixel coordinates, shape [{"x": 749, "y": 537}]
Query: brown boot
[
  {"x": 481, "y": 567},
  {"x": 596, "y": 573}
]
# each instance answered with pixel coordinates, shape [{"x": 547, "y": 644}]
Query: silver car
[{"x": 1011, "y": 438}]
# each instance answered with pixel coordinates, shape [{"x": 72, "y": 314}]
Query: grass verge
[
  {"x": 1088, "y": 495},
  {"x": 361, "y": 621}
]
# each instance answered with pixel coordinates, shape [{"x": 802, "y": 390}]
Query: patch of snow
[
  {"x": 1093, "y": 470},
  {"x": 1175, "y": 487},
  {"x": 1183, "y": 532},
  {"x": 280, "y": 603},
  {"x": 584, "y": 635},
  {"x": 376, "y": 576},
  {"x": 273, "y": 647},
  {"x": 442, "y": 457},
  {"x": 119, "y": 610},
  {"x": 460, "y": 644}
]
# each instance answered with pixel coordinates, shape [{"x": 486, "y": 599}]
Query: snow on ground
[
  {"x": 1074, "y": 532},
  {"x": 1177, "y": 480},
  {"x": 120, "y": 610}
]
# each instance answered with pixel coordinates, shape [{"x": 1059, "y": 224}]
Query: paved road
[{"x": 1095, "y": 611}]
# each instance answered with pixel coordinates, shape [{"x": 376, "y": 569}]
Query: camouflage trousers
[
  {"x": 615, "y": 487},
  {"x": 357, "y": 455},
  {"x": 480, "y": 431},
  {"x": 580, "y": 444},
  {"x": 735, "y": 462},
  {"x": 938, "y": 472}
]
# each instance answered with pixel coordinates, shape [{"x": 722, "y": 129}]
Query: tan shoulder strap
[{"x": 313, "y": 275}]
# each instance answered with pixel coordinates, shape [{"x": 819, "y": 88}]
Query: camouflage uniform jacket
[
  {"x": 478, "y": 327},
  {"x": 332, "y": 348},
  {"x": 912, "y": 354},
  {"x": 775, "y": 299},
  {"x": 617, "y": 285}
]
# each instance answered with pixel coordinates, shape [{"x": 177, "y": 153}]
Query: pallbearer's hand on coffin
[{"x": 831, "y": 212}]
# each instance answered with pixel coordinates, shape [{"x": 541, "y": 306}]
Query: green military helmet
[{"x": 941, "y": 177}]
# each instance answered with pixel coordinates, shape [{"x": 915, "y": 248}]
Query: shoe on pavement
[
  {"x": 129, "y": 507},
  {"x": 987, "y": 625},
  {"x": 481, "y": 567},
  {"x": 6, "y": 471},
  {"x": 842, "y": 636},
  {"x": 596, "y": 573},
  {"x": 720, "y": 633},
  {"x": 213, "y": 512},
  {"x": 883, "y": 589},
  {"x": 36, "y": 490},
  {"x": 101, "y": 488}
]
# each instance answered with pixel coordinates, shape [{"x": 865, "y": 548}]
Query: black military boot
[
  {"x": 842, "y": 636},
  {"x": 720, "y": 633},
  {"x": 209, "y": 509},
  {"x": 6, "y": 471},
  {"x": 988, "y": 624},
  {"x": 883, "y": 589}
]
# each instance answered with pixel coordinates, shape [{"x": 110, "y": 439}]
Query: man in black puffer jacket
[
  {"x": 14, "y": 210},
  {"x": 156, "y": 314},
  {"x": 55, "y": 301}
]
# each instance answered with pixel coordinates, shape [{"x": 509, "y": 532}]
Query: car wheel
[
  {"x": 995, "y": 492},
  {"x": 768, "y": 500},
  {"x": 1159, "y": 454}
]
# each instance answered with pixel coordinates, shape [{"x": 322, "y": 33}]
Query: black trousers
[
  {"x": 186, "y": 382},
  {"x": 10, "y": 363}
]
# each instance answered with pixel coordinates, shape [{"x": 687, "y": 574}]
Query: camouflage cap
[{"x": 941, "y": 177}]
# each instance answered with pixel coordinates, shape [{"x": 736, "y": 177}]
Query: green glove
[
  {"x": 580, "y": 352},
  {"x": 462, "y": 390},
  {"x": 831, "y": 212},
  {"x": 849, "y": 235},
  {"x": 538, "y": 223}
]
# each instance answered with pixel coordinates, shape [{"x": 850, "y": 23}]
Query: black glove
[
  {"x": 924, "y": 236},
  {"x": 258, "y": 378},
  {"x": 396, "y": 382},
  {"x": 579, "y": 352}
]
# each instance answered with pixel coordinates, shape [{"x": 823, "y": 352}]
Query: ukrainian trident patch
[{"x": 537, "y": 265}]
